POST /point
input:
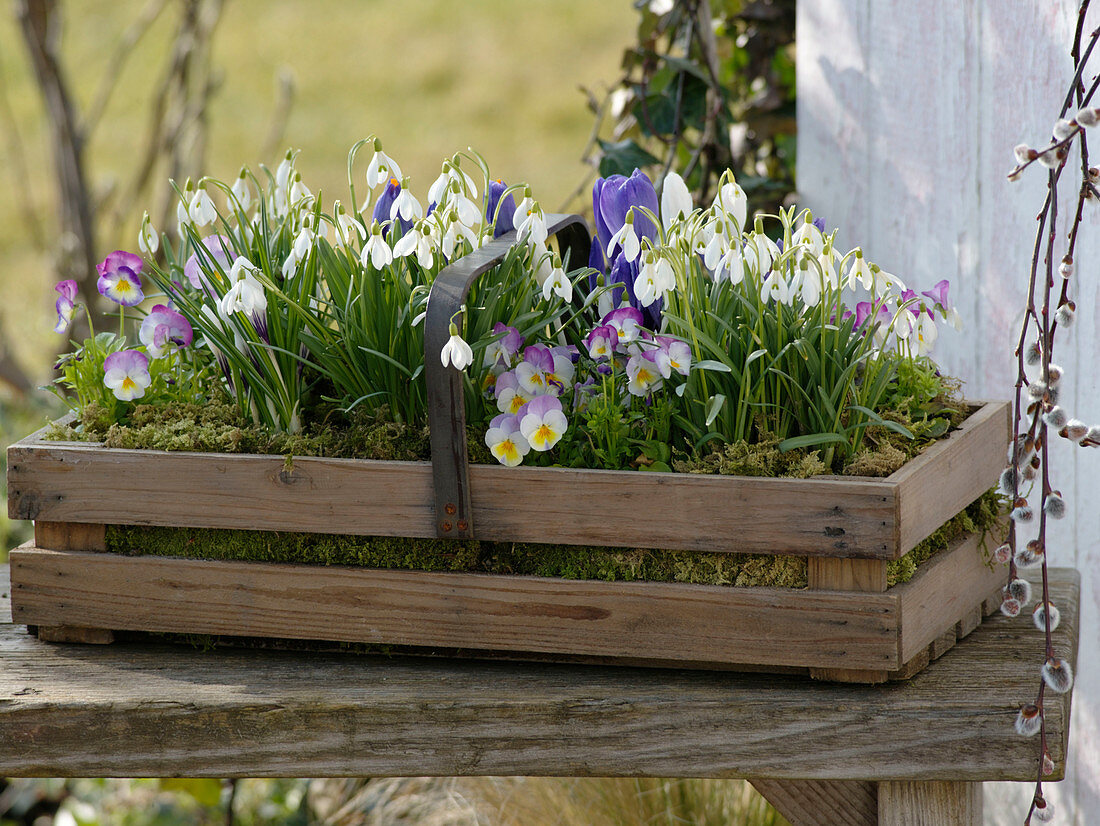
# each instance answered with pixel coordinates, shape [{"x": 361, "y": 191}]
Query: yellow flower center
[{"x": 128, "y": 383}]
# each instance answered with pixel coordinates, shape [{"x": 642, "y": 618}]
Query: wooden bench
[{"x": 900, "y": 754}]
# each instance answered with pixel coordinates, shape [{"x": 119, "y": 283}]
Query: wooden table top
[{"x": 152, "y": 709}]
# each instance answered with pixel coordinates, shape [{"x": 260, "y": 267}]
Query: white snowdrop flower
[
  {"x": 660, "y": 7},
  {"x": 438, "y": 189},
  {"x": 417, "y": 241},
  {"x": 627, "y": 238},
  {"x": 299, "y": 192},
  {"x": 382, "y": 167},
  {"x": 810, "y": 284},
  {"x": 1022, "y": 153},
  {"x": 731, "y": 265},
  {"x": 456, "y": 352},
  {"x": 376, "y": 252},
  {"x": 347, "y": 224},
  {"x": 760, "y": 252},
  {"x": 530, "y": 221},
  {"x": 241, "y": 190},
  {"x": 557, "y": 283},
  {"x": 859, "y": 273},
  {"x": 731, "y": 200},
  {"x": 717, "y": 244},
  {"x": 1063, "y": 129},
  {"x": 469, "y": 213},
  {"x": 809, "y": 236},
  {"x": 405, "y": 205},
  {"x": 245, "y": 294},
  {"x": 1087, "y": 116},
  {"x": 148, "y": 238},
  {"x": 675, "y": 200},
  {"x": 283, "y": 172},
  {"x": 886, "y": 282}
]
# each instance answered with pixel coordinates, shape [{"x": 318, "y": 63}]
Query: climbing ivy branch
[{"x": 1036, "y": 408}]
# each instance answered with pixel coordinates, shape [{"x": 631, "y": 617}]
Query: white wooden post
[{"x": 907, "y": 114}]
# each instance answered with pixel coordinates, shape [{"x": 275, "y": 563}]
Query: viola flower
[
  {"x": 456, "y": 352},
  {"x": 497, "y": 212},
  {"x": 118, "y": 278},
  {"x": 533, "y": 373},
  {"x": 506, "y": 441},
  {"x": 162, "y": 327},
  {"x": 938, "y": 294},
  {"x": 218, "y": 249},
  {"x": 65, "y": 305},
  {"x": 126, "y": 374},
  {"x": 627, "y": 323},
  {"x": 381, "y": 167},
  {"x": 679, "y": 354},
  {"x": 543, "y": 422},
  {"x": 510, "y": 397},
  {"x": 502, "y": 351},
  {"x": 644, "y": 377},
  {"x": 601, "y": 342}
]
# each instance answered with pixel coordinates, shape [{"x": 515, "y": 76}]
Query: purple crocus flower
[
  {"x": 820, "y": 224},
  {"x": 126, "y": 373},
  {"x": 65, "y": 305},
  {"x": 504, "y": 213},
  {"x": 612, "y": 198},
  {"x": 382, "y": 208},
  {"x": 217, "y": 248},
  {"x": 162, "y": 327},
  {"x": 118, "y": 278}
]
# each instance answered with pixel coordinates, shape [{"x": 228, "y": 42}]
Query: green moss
[
  {"x": 525, "y": 559},
  {"x": 763, "y": 458}
]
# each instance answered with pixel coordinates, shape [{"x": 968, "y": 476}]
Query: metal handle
[{"x": 446, "y": 408}]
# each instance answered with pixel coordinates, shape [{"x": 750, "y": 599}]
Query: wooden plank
[
  {"x": 958, "y": 468},
  {"x": 70, "y": 536},
  {"x": 76, "y": 634},
  {"x": 969, "y": 622},
  {"x": 814, "y": 802},
  {"x": 939, "y": 596},
  {"x": 859, "y": 575},
  {"x": 158, "y": 710},
  {"x": 637, "y": 620},
  {"x": 942, "y": 803}
]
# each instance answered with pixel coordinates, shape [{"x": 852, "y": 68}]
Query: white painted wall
[{"x": 907, "y": 116}]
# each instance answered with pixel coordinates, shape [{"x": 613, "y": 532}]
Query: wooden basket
[{"x": 847, "y": 625}]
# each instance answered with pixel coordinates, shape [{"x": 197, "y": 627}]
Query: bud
[
  {"x": 1054, "y": 505},
  {"x": 1043, "y": 811},
  {"x": 1048, "y": 764},
  {"x": 1092, "y": 438},
  {"x": 1055, "y": 417},
  {"x": 1075, "y": 430},
  {"x": 1094, "y": 174},
  {"x": 1065, "y": 269},
  {"x": 1021, "y": 510},
  {"x": 1066, "y": 314},
  {"x": 1032, "y": 355},
  {"x": 1031, "y": 555},
  {"x": 1039, "y": 616},
  {"x": 1029, "y": 720},
  {"x": 1049, "y": 158},
  {"x": 1019, "y": 590},
  {"x": 1010, "y": 608},
  {"x": 1023, "y": 153},
  {"x": 1002, "y": 554},
  {"x": 1058, "y": 675},
  {"x": 1009, "y": 481},
  {"x": 1036, "y": 389},
  {"x": 1087, "y": 116},
  {"x": 1063, "y": 129},
  {"x": 1053, "y": 374}
]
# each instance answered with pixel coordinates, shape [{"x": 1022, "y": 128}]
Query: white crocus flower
[
  {"x": 382, "y": 167},
  {"x": 675, "y": 200},
  {"x": 241, "y": 191},
  {"x": 456, "y": 352},
  {"x": 376, "y": 252},
  {"x": 347, "y": 224},
  {"x": 406, "y": 206},
  {"x": 246, "y": 293},
  {"x": 860, "y": 272}
]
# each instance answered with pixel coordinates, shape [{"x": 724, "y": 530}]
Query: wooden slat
[
  {"x": 859, "y": 575},
  {"x": 959, "y": 468},
  {"x": 637, "y": 620},
  {"x": 158, "y": 710},
  {"x": 940, "y": 596},
  {"x": 70, "y": 536},
  {"x": 929, "y": 804},
  {"x": 814, "y": 802}
]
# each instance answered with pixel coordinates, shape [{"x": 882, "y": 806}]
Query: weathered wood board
[
  {"x": 158, "y": 710},
  {"x": 836, "y": 517}
]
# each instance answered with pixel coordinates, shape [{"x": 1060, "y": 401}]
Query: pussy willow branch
[{"x": 1046, "y": 327}]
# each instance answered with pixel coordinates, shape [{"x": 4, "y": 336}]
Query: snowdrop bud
[
  {"x": 1039, "y": 616},
  {"x": 1055, "y": 505},
  {"x": 1029, "y": 720},
  {"x": 1037, "y": 389},
  {"x": 1010, "y": 608},
  {"x": 1030, "y": 556},
  {"x": 1024, "y": 153},
  {"x": 1063, "y": 129},
  {"x": 1002, "y": 554},
  {"x": 1066, "y": 268},
  {"x": 1055, "y": 417},
  {"x": 1087, "y": 117},
  {"x": 1058, "y": 675},
  {"x": 1066, "y": 314},
  {"x": 1044, "y": 810},
  {"x": 1075, "y": 430},
  {"x": 1019, "y": 590},
  {"x": 1021, "y": 510},
  {"x": 1009, "y": 480},
  {"x": 1032, "y": 355}
]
